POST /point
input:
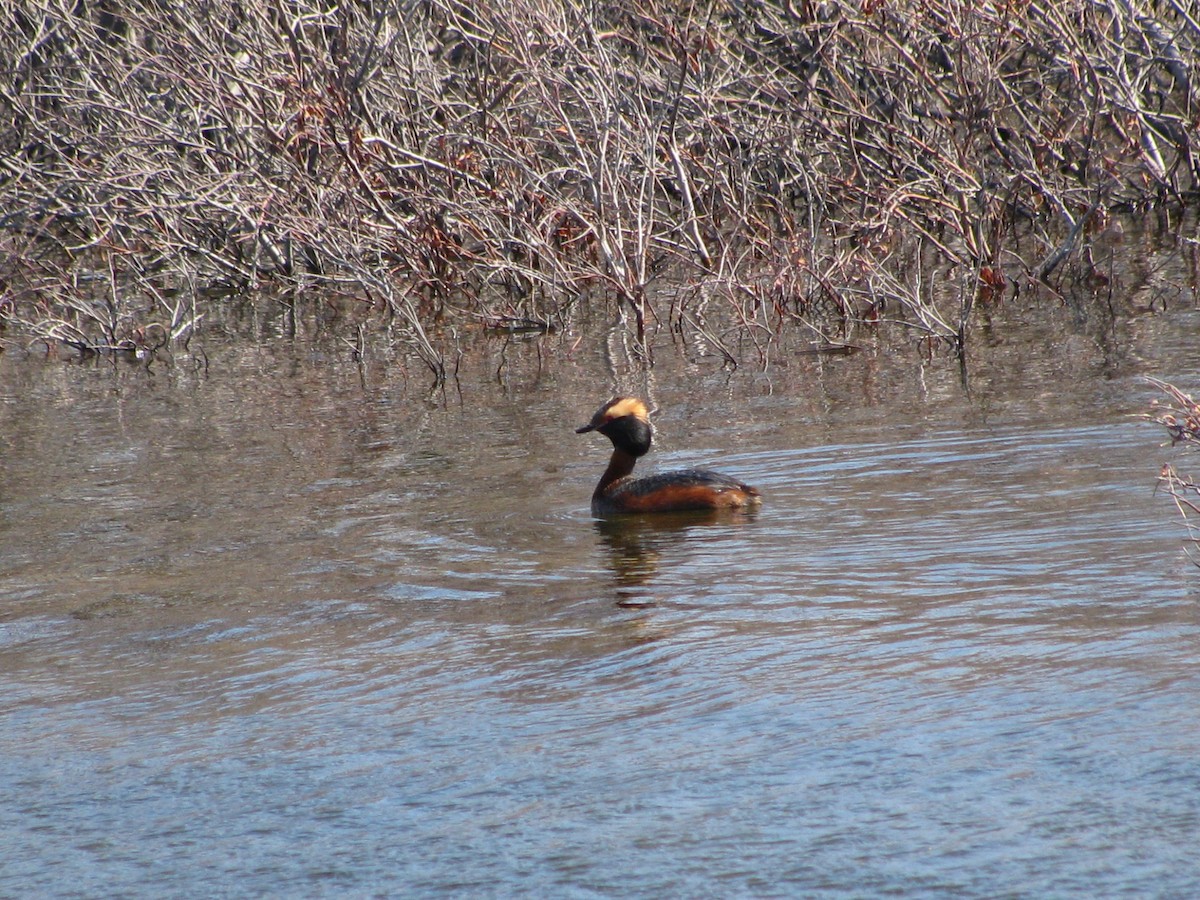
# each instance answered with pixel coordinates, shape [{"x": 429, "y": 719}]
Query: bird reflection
[{"x": 636, "y": 544}]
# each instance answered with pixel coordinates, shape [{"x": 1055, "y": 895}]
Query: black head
[{"x": 626, "y": 422}]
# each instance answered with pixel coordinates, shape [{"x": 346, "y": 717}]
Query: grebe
[{"x": 626, "y": 422}]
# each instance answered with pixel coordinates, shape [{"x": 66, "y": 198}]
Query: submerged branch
[{"x": 1181, "y": 419}]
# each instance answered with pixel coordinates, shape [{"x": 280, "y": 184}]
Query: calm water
[{"x": 289, "y": 627}]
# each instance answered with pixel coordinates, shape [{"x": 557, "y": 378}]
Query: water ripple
[{"x": 932, "y": 664}]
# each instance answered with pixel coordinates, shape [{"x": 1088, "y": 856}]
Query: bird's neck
[{"x": 619, "y": 466}]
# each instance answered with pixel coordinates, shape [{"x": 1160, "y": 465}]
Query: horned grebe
[{"x": 626, "y": 422}]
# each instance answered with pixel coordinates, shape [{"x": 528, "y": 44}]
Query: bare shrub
[
  {"x": 1180, "y": 416},
  {"x": 432, "y": 163}
]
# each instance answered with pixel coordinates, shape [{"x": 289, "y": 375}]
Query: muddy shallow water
[{"x": 289, "y": 626}]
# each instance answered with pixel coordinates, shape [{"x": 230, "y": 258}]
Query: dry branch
[
  {"x": 1180, "y": 416},
  {"x": 440, "y": 161}
]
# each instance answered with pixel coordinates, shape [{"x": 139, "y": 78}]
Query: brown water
[{"x": 292, "y": 627}]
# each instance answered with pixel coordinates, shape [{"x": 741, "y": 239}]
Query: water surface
[{"x": 292, "y": 627}]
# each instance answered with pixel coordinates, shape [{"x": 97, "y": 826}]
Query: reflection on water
[
  {"x": 636, "y": 542},
  {"x": 285, "y": 629}
]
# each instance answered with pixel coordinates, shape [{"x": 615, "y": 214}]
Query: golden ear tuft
[{"x": 619, "y": 407}]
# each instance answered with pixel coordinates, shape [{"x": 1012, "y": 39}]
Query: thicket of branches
[{"x": 431, "y": 161}]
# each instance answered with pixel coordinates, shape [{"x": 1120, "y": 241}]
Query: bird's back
[{"x": 685, "y": 489}]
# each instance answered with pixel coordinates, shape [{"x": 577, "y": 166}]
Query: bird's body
[{"x": 625, "y": 421}]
